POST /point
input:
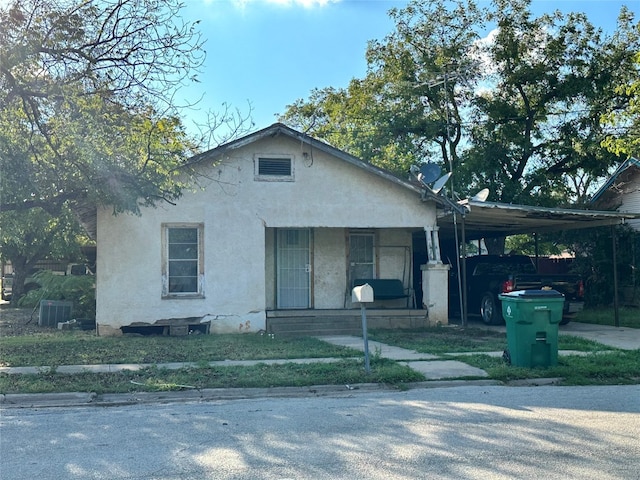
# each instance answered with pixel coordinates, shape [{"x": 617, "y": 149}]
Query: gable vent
[{"x": 277, "y": 167}]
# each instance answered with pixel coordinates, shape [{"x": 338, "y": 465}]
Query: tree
[
  {"x": 539, "y": 124},
  {"x": 410, "y": 106},
  {"x": 87, "y": 116},
  {"x": 30, "y": 236},
  {"x": 86, "y": 102},
  {"x": 623, "y": 124},
  {"x": 518, "y": 111}
]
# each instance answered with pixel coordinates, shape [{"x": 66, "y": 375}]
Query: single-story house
[
  {"x": 279, "y": 225},
  {"x": 621, "y": 192}
]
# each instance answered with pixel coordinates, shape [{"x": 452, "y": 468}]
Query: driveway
[{"x": 618, "y": 337}]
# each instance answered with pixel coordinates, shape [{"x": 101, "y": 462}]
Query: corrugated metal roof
[{"x": 489, "y": 219}]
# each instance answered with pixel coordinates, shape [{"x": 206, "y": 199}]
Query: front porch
[{"x": 341, "y": 322}]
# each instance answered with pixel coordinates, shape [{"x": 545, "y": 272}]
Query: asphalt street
[{"x": 464, "y": 432}]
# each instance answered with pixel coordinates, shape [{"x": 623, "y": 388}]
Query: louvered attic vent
[{"x": 274, "y": 167}]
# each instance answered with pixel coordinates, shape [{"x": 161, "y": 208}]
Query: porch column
[
  {"x": 433, "y": 244},
  {"x": 435, "y": 292},
  {"x": 435, "y": 280}
]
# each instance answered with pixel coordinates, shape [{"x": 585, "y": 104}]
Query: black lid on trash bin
[{"x": 534, "y": 294}]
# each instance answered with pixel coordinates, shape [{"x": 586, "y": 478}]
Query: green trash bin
[{"x": 532, "y": 318}]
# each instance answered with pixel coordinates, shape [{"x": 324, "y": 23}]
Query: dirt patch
[{"x": 19, "y": 321}]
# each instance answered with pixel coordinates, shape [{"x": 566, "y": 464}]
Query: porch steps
[{"x": 340, "y": 322}]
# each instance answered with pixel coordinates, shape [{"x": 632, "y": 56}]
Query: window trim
[
  {"x": 374, "y": 249},
  {"x": 166, "y": 294},
  {"x": 273, "y": 178}
]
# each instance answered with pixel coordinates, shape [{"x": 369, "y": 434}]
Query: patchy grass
[
  {"x": 603, "y": 368},
  {"x": 439, "y": 340},
  {"x": 54, "y": 348},
  {"x": 456, "y": 339},
  {"x": 81, "y": 348},
  {"x": 259, "y": 376},
  {"x": 628, "y": 317}
]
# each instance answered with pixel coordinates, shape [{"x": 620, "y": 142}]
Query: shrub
[{"x": 80, "y": 289}]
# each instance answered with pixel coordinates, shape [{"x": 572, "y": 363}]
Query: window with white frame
[
  {"x": 274, "y": 168},
  {"x": 183, "y": 267}
]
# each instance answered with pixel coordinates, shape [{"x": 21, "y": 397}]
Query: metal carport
[{"x": 474, "y": 220}]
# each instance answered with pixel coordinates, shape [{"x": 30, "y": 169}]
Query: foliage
[
  {"x": 33, "y": 235},
  {"x": 594, "y": 251},
  {"x": 518, "y": 111},
  {"x": 80, "y": 289},
  {"x": 409, "y": 106},
  {"x": 526, "y": 245},
  {"x": 86, "y": 102},
  {"x": 624, "y": 124},
  {"x": 554, "y": 77}
]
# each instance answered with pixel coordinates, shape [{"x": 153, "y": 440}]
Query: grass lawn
[
  {"x": 81, "y": 348},
  {"x": 261, "y": 375},
  {"x": 454, "y": 339},
  {"x": 628, "y": 317},
  {"x": 53, "y": 348},
  {"x": 599, "y": 365}
]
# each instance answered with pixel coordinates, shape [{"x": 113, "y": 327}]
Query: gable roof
[
  {"x": 623, "y": 172},
  {"x": 282, "y": 129},
  {"x": 87, "y": 214}
]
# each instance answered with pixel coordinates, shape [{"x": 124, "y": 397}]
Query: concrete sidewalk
[
  {"x": 617, "y": 337},
  {"x": 429, "y": 365}
]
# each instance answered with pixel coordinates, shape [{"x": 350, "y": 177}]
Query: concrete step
[{"x": 314, "y": 326}]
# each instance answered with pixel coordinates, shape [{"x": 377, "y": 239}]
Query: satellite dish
[
  {"x": 440, "y": 182},
  {"x": 430, "y": 172},
  {"x": 481, "y": 196}
]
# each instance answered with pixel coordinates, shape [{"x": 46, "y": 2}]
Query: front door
[{"x": 293, "y": 268}]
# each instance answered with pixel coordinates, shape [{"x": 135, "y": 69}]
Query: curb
[{"x": 79, "y": 399}]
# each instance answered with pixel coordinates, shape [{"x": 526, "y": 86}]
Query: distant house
[
  {"x": 279, "y": 225},
  {"x": 622, "y": 191}
]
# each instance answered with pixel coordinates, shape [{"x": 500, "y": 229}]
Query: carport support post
[{"x": 615, "y": 275}]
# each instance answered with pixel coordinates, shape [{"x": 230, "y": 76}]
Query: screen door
[{"x": 294, "y": 268}]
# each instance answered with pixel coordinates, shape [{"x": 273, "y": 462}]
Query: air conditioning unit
[{"x": 54, "y": 311}]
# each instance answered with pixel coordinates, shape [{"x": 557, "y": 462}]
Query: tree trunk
[
  {"x": 495, "y": 246},
  {"x": 20, "y": 271}
]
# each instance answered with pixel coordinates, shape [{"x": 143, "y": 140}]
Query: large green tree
[
  {"x": 517, "y": 110},
  {"x": 410, "y": 106},
  {"x": 86, "y": 102},
  {"x": 87, "y": 116},
  {"x": 536, "y": 135}
]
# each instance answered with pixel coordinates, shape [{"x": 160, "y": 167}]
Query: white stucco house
[{"x": 279, "y": 225}]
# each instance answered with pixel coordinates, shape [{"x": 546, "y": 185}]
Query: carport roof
[{"x": 489, "y": 219}]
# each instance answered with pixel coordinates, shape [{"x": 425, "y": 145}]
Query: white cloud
[{"x": 481, "y": 53}]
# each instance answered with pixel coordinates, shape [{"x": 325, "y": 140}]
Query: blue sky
[{"x": 271, "y": 52}]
